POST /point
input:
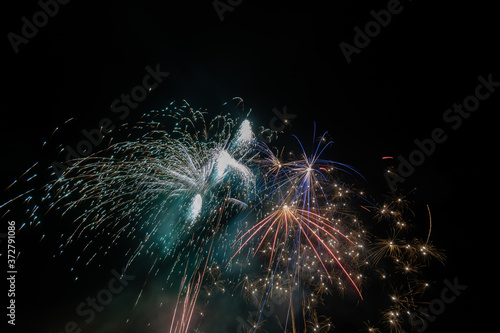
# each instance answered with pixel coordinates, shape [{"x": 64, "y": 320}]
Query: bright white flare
[
  {"x": 196, "y": 207},
  {"x": 222, "y": 162},
  {"x": 245, "y": 133},
  {"x": 225, "y": 161}
]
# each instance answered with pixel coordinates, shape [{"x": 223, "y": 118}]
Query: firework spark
[{"x": 207, "y": 204}]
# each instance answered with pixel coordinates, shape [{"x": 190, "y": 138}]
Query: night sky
[{"x": 393, "y": 91}]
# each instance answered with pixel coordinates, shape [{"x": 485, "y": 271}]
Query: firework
[
  {"x": 311, "y": 241},
  {"x": 208, "y": 208},
  {"x": 306, "y": 235}
]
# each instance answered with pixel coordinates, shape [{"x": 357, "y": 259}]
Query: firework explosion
[{"x": 210, "y": 208}]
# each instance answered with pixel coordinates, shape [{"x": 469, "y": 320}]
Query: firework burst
[
  {"x": 208, "y": 208},
  {"x": 306, "y": 235}
]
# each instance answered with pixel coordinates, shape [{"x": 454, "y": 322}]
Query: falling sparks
[{"x": 243, "y": 220}]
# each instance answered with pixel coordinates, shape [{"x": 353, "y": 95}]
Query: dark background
[{"x": 270, "y": 54}]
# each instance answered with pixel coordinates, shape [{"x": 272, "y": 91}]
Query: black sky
[{"x": 272, "y": 55}]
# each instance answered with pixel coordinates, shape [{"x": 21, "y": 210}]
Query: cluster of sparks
[{"x": 210, "y": 194}]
